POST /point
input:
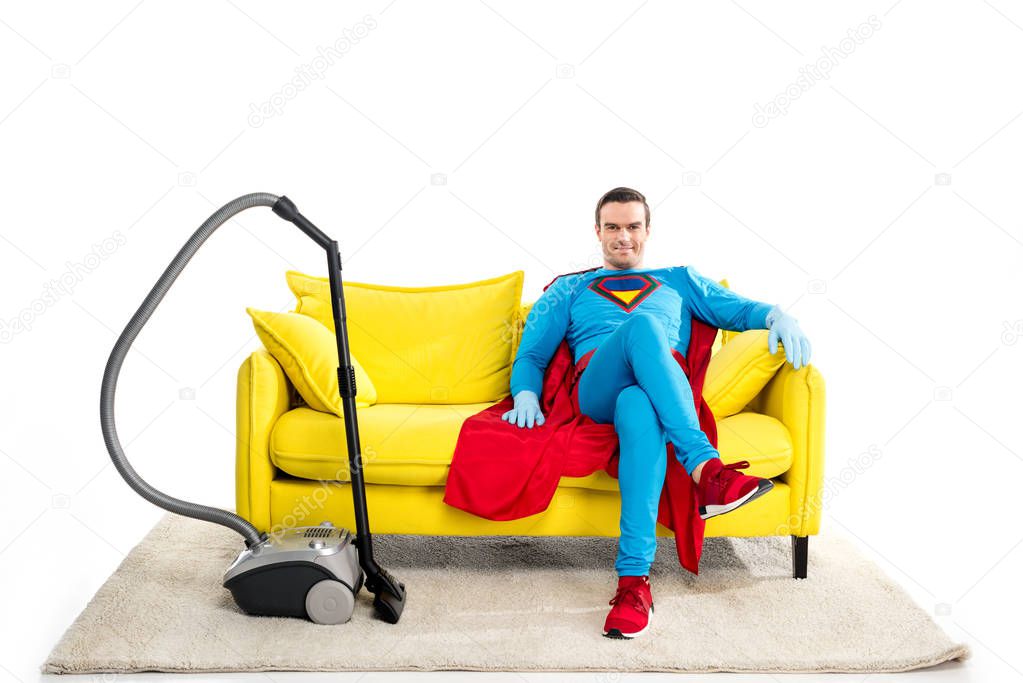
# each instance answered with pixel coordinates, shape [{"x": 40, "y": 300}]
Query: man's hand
[
  {"x": 786, "y": 328},
  {"x": 526, "y": 411}
]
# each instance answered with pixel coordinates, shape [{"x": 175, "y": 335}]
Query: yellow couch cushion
[
  {"x": 308, "y": 353},
  {"x": 426, "y": 345},
  {"x": 401, "y": 443},
  {"x": 761, "y": 439},
  {"x": 738, "y": 371},
  {"x": 412, "y": 445}
]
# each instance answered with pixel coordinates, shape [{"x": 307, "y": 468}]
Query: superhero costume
[{"x": 503, "y": 472}]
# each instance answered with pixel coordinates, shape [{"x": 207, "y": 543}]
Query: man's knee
[{"x": 633, "y": 410}]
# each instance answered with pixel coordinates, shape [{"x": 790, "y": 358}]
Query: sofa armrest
[
  {"x": 264, "y": 394},
  {"x": 797, "y": 399}
]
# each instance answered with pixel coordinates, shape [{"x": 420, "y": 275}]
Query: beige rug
[{"x": 511, "y": 603}]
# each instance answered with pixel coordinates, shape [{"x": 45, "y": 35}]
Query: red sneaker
[
  {"x": 722, "y": 488},
  {"x": 633, "y": 606}
]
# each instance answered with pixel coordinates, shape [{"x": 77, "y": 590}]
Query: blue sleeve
[
  {"x": 544, "y": 329},
  {"x": 713, "y": 303}
]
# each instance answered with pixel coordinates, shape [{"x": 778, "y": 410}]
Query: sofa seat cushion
[
  {"x": 760, "y": 439},
  {"x": 412, "y": 444},
  {"x": 402, "y": 443}
]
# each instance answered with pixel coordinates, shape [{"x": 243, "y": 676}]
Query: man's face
[{"x": 622, "y": 233}]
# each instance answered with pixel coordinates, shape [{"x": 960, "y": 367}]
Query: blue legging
[{"x": 633, "y": 380}]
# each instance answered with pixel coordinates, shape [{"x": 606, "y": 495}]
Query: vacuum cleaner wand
[{"x": 389, "y": 593}]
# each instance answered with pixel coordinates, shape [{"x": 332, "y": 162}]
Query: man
[{"x": 631, "y": 318}]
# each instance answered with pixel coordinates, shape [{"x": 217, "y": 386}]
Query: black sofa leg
[{"x": 800, "y": 552}]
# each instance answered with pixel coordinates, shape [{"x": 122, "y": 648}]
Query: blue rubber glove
[
  {"x": 526, "y": 411},
  {"x": 786, "y": 328}
]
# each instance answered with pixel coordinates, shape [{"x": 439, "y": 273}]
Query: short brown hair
[{"x": 622, "y": 194}]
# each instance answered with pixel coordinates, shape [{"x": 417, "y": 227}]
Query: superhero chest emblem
[{"x": 625, "y": 291}]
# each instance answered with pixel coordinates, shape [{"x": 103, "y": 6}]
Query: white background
[{"x": 469, "y": 139}]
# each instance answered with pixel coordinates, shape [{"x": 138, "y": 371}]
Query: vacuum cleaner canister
[{"x": 306, "y": 572}]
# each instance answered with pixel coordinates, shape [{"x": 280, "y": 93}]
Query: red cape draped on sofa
[{"x": 501, "y": 472}]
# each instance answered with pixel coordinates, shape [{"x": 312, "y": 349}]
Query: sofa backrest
[{"x": 431, "y": 344}]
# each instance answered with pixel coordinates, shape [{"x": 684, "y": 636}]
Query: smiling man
[{"x": 631, "y": 318}]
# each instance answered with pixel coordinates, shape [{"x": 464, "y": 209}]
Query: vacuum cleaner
[{"x": 304, "y": 572}]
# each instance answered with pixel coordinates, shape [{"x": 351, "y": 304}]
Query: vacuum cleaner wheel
[{"x": 329, "y": 602}]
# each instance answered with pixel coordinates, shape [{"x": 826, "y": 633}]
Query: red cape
[{"x": 501, "y": 472}]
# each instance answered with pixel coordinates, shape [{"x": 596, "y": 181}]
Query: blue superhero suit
[{"x": 633, "y": 318}]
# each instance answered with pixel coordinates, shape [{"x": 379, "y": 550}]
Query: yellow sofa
[{"x": 292, "y": 464}]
